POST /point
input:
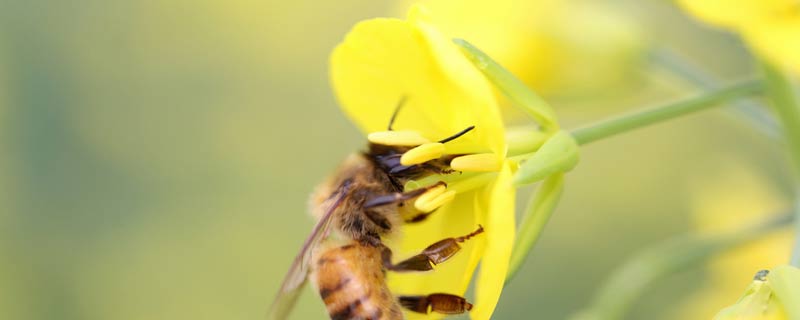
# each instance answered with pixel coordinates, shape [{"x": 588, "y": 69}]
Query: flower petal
[
  {"x": 499, "y": 243},
  {"x": 771, "y": 27},
  {"x": 383, "y": 60},
  {"x": 778, "y": 40},
  {"x": 735, "y": 13},
  {"x": 453, "y": 276}
]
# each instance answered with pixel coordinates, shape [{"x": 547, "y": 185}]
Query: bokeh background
[{"x": 156, "y": 156}]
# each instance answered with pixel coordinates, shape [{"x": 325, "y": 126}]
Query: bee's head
[{"x": 407, "y": 154}]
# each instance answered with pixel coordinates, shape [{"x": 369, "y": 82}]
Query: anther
[
  {"x": 482, "y": 162},
  {"x": 405, "y": 138},
  {"x": 428, "y": 196},
  {"x": 422, "y": 153},
  {"x": 434, "y": 202}
]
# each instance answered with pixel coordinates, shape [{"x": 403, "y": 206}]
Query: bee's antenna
[
  {"x": 451, "y": 138},
  {"x": 396, "y": 111}
]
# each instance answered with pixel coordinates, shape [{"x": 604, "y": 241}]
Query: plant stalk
[
  {"x": 632, "y": 279},
  {"x": 787, "y": 109},
  {"x": 632, "y": 121}
]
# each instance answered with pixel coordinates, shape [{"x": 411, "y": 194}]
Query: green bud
[
  {"x": 785, "y": 282},
  {"x": 771, "y": 296},
  {"x": 559, "y": 154}
]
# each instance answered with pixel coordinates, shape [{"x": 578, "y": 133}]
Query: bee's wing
[{"x": 296, "y": 278}]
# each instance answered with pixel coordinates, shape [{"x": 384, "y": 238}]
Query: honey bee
[{"x": 355, "y": 208}]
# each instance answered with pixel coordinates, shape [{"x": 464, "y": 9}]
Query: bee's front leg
[
  {"x": 434, "y": 254},
  {"x": 398, "y": 197}
]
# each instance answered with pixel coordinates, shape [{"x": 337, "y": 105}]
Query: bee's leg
[
  {"x": 437, "y": 169},
  {"x": 437, "y": 302},
  {"x": 398, "y": 197},
  {"x": 432, "y": 255},
  {"x": 419, "y": 217}
]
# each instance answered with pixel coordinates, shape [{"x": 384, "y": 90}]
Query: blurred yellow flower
[
  {"x": 771, "y": 27},
  {"x": 731, "y": 197},
  {"x": 771, "y": 296},
  {"x": 382, "y": 61},
  {"x": 556, "y": 47}
]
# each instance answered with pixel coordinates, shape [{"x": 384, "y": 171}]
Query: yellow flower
[
  {"x": 732, "y": 197},
  {"x": 383, "y": 61},
  {"x": 771, "y": 296},
  {"x": 771, "y": 27},
  {"x": 556, "y": 47}
]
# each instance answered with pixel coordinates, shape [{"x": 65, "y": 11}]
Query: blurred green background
[{"x": 156, "y": 157}]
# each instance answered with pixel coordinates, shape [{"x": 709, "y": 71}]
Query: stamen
[
  {"x": 422, "y": 153},
  {"x": 432, "y": 203},
  {"x": 429, "y": 195},
  {"x": 476, "y": 162},
  {"x": 405, "y": 138}
]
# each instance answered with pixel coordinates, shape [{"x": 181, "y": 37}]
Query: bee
[{"x": 345, "y": 257}]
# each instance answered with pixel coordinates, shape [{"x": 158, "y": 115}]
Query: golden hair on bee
[{"x": 358, "y": 206}]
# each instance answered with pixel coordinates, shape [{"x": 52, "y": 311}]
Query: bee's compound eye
[
  {"x": 481, "y": 162},
  {"x": 402, "y": 138},
  {"x": 422, "y": 153}
]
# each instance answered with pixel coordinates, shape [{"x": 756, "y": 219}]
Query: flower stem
[
  {"x": 787, "y": 109},
  {"x": 691, "y": 73},
  {"x": 632, "y": 279},
  {"x": 629, "y": 122}
]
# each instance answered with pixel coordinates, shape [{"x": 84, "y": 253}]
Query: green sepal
[
  {"x": 522, "y": 140},
  {"x": 536, "y": 215},
  {"x": 558, "y": 154},
  {"x": 520, "y": 94}
]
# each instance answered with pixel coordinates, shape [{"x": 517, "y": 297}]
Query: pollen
[
  {"x": 405, "y": 138},
  {"x": 481, "y": 162},
  {"x": 427, "y": 203},
  {"x": 422, "y": 153}
]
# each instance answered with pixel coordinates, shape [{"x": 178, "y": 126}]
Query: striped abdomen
[{"x": 351, "y": 282}]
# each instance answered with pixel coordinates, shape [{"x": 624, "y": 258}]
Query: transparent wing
[{"x": 295, "y": 279}]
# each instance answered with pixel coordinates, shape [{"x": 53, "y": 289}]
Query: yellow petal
[
  {"x": 778, "y": 40},
  {"x": 771, "y": 27},
  {"x": 408, "y": 138},
  {"x": 499, "y": 243},
  {"x": 454, "y": 219},
  {"x": 735, "y": 13},
  {"x": 383, "y": 60}
]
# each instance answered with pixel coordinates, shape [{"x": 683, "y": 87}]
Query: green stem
[
  {"x": 748, "y": 111},
  {"x": 639, "y": 119},
  {"x": 631, "y": 280},
  {"x": 787, "y": 108}
]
